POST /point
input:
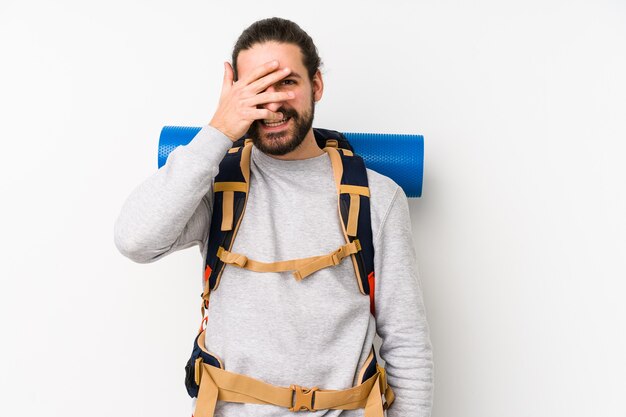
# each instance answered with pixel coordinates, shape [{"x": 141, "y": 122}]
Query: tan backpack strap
[
  {"x": 355, "y": 192},
  {"x": 228, "y": 203},
  {"x": 354, "y": 189},
  {"x": 245, "y": 161},
  {"x": 353, "y": 215},
  {"x": 335, "y": 161},
  {"x": 241, "y": 187},
  {"x": 301, "y": 268},
  {"x": 228, "y": 200},
  {"x": 207, "y": 395},
  {"x": 219, "y": 384},
  {"x": 331, "y": 259},
  {"x": 229, "y": 188}
]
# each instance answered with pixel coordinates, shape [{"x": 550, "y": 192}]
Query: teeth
[{"x": 273, "y": 124}]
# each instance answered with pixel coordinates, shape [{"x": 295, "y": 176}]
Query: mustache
[{"x": 288, "y": 112}]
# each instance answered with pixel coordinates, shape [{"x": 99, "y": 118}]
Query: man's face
[{"x": 280, "y": 138}]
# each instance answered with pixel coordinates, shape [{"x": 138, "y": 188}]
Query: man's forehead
[{"x": 287, "y": 54}]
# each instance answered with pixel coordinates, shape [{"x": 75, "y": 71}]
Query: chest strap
[{"x": 302, "y": 267}]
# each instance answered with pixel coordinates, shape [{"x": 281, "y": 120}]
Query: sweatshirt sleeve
[
  {"x": 171, "y": 210},
  {"x": 400, "y": 315}
]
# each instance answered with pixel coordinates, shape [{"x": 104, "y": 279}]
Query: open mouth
[{"x": 277, "y": 123}]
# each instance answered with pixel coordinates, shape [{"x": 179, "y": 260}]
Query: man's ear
[{"x": 318, "y": 86}]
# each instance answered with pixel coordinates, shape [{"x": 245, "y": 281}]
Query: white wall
[{"x": 520, "y": 233}]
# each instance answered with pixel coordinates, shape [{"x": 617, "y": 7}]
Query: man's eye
[{"x": 288, "y": 82}]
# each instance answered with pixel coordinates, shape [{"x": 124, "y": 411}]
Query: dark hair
[{"x": 282, "y": 31}]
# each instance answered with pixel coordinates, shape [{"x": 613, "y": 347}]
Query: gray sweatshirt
[{"x": 316, "y": 332}]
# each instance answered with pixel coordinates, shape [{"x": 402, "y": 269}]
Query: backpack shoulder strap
[
  {"x": 354, "y": 207},
  {"x": 331, "y": 138},
  {"x": 230, "y": 194}
]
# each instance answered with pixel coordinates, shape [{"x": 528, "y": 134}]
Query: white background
[{"x": 520, "y": 233}]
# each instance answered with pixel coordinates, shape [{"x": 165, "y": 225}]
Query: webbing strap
[
  {"x": 353, "y": 215},
  {"x": 325, "y": 261},
  {"x": 335, "y": 161},
  {"x": 219, "y": 384},
  {"x": 228, "y": 203},
  {"x": 241, "y": 187},
  {"x": 301, "y": 268},
  {"x": 354, "y": 189}
]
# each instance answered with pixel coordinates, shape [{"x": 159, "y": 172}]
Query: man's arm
[
  {"x": 171, "y": 210},
  {"x": 400, "y": 315}
]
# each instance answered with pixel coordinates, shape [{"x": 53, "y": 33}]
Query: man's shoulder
[
  {"x": 381, "y": 186},
  {"x": 384, "y": 193}
]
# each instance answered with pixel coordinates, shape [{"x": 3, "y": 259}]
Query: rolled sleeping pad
[{"x": 399, "y": 157}]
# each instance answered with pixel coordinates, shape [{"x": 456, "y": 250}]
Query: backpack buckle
[
  {"x": 332, "y": 143},
  {"x": 302, "y": 398}
]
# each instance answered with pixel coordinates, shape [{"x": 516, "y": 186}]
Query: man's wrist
[{"x": 222, "y": 130}]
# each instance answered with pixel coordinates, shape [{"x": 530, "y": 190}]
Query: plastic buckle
[
  {"x": 303, "y": 398},
  {"x": 332, "y": 143},
  {"x": 334, "y": 258}
]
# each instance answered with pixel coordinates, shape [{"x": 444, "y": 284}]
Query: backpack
[{"x": 230, "y": 193}]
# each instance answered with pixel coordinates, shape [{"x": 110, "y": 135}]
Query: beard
[{"x": 281, "y": 143}]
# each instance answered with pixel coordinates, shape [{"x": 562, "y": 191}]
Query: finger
[
  {"x": 262, "y": 83},
  {"x": 259, "y": 72},
  {"x": 229, "y": 75},
  {"x": 266, "y": 114},
  {"x": 268, "y": 97}
]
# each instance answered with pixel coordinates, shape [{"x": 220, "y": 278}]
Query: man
[{"x": 268, "y": 326}]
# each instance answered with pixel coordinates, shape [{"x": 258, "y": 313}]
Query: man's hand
[{"x": 240, "y": 102}]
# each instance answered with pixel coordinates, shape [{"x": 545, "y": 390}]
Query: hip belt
[{"x": 216, "y": 384}]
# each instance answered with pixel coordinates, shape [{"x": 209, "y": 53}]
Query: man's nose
[{"x": 274, "y": 105}]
